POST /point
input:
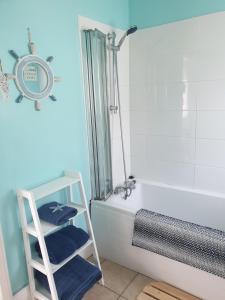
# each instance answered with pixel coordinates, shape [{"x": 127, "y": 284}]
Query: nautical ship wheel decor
[{"x": 33, "y": 76}]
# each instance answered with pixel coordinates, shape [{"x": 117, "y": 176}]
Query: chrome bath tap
[{"x": 127, "y": 188}]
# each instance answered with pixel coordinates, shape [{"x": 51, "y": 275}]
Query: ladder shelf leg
[
  {"x": 89, "y": 224},
  {"x": 26, "y": 245},
  {"x": 43, "y": 248}
]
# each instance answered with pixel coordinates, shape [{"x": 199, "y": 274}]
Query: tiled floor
[{"x": 120, "y": 283}]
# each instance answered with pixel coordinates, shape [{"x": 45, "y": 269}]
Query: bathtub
[{"x": 113, "y": 226}]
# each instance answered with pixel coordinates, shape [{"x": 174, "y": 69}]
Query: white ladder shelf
[{"x": 39, "y": 229}]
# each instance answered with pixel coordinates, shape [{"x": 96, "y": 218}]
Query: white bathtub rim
[
  {"x": 181, "y": 188},
  {"x": 140, "y": 181}
]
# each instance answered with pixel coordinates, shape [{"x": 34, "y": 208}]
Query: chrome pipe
[{"x": 112, "y": 40}]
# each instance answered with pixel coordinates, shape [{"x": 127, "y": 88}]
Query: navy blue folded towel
[
  {"x": 73, "y": 280},
  {"x": 71, "y": 237},
  {"x": 77, "y": 235},
  {"x": 56, "y": 213}
]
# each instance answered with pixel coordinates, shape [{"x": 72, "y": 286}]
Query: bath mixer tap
[{"x": 127, "y": 188}]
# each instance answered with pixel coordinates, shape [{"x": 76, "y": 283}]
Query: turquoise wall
[
  {"x": 148, "y": 13},
  {"x": 36, "y": 146}
]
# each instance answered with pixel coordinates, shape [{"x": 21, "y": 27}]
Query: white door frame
[{"x": 5, "y": 287}]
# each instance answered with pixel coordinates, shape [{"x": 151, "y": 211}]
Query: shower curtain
[{"x": 97, "y": 107}]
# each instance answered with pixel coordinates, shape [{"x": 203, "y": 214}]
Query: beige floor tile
[
  {"x": 116, "y": 277},
  {"x": 91, "y": 259},
  {"x": 136, "y": 287},
  {"x": 99, "y": 292}
]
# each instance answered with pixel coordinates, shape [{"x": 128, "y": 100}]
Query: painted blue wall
[
  {"x": 148, "y": 13},
  {"x": 36, "y": 146}
]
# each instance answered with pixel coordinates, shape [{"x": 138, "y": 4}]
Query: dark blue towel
[
  {"x": 57, "y": 253},
  {"x": 71, "y": 237},
  {"x": 73, "y": 280},
  {"x": 56, "y": 213},
  {"x": 77, "y": 235}
]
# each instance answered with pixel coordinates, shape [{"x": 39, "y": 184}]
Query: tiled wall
[{"x": 177, "y": 78}]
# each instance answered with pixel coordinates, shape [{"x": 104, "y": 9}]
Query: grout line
[
  {"x": 122, "y": 298},
  {"x": 109, "y": 289},
  {"x": 196, "y": 144},
  {"x": 104, "y": 286},
  {"x": 132, "y": 280}
]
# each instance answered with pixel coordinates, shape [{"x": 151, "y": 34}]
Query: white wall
[
  {"x": 123, "y": 66},
  {"x": 177, "y": 88},
  {"x": 5, "y": 288}
]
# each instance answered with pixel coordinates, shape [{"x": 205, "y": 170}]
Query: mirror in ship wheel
[{"x": 34, "y": 77}]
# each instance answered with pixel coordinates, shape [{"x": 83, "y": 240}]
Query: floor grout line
[
  {"x": 120, "y": 295},
  {"x": 115, "y": 292},
  {"x": 132, "y": 280},
  {"x": 109, "y": 289}
]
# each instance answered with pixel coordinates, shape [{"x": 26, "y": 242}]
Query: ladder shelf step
[
  {"x": 38, "y": 265},
  {"x": 37, "y": 262},
  {"x": 53, "y": 186},
  {"x": 48, "y": 228}
]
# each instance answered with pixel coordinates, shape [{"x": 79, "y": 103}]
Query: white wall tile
[
  {"x": 171, "y": 149},
  {"x": 138, "y": 66},
  {"x": 210, "y": 95},
  {"x": 169, "y": 67},
  {"x": 181, "y": 96},
  {"x": 124, "y": 62},
  {"x": 115, "y": 125},
  {"x": 138, "y": 96},
  {"x": 194, "y": 64},
  {"x": 139, "y": 121},
  {"x": 117, "y": 162},
  {"x": 205, "y": 64},
  {"x": 139, "y": 167},
  {"x": 211, "y": 29},
  {"x": 211, "y": 124},
  {"x": 210, "y": 152},
  {"x": 178, "y": 174},
  {"x": 139, "y": 145},
  {"x": 210, "y": 179},
  {"x": 175, "y": 96},
  {"x": 182, "y": 36},
  {"x": 117, "y": 154},
  {"x": 172, "y": 123}
]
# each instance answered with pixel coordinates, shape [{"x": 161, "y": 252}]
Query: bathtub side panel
[{"x": 113, "y": 231}]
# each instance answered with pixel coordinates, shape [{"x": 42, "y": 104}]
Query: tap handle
[{"x": 132, "y": 179}]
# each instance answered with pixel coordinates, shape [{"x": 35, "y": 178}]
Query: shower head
[
  {"x": 128, "y": 32},
  {"x": 131, "y": 30}
]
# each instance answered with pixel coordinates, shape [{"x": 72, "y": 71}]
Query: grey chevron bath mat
[{"x": 198, "y": 246}]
